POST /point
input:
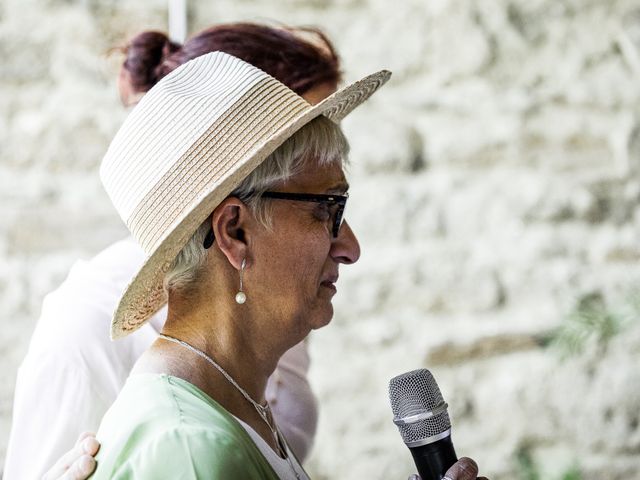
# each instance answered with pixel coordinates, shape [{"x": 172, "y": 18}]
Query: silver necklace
[{"x": 263, "y": 410}]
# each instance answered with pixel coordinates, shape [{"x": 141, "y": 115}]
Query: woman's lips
[{"x": 330, "y": 283}]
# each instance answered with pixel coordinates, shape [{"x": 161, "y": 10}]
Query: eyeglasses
[{"x": 335, "y": 203}]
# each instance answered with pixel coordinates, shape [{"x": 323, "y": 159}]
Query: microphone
[{"x": 420, "y": 413}]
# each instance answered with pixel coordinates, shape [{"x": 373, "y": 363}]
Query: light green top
[{"x": 164, "y": 427}]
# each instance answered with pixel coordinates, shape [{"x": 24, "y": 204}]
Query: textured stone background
[{"x": 495, "y": 180}]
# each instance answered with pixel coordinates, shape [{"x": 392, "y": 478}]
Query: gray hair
[{"x": 320, "y": 141}]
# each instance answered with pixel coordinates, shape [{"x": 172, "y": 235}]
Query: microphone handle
[{"x": 434, "y": 459}]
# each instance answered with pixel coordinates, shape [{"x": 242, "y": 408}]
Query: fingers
[
  {"x": 81, "y": 469},
  {"x": 463, "y": 469},
  {"x": 62, "y": 465},
  {"x": 84, "y": 435},
  {"x": 90, "y": 445},
  {"x": 74, "y": 462}
]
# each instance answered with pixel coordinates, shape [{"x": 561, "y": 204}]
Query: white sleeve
[
  {"x": 293, "y": 402},
  {"x": 54, "y": 402}
]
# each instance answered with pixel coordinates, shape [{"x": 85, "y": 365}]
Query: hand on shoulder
[{"x": 78, "y": 463}]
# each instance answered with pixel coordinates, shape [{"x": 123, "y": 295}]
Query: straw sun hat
[{"x": 190, "y": 142}]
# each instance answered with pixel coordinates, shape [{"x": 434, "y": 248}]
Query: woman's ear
[{"x": 230, "y": 222}]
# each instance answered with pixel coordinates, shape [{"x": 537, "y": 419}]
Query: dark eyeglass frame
[{"x": 331, "y": 200}]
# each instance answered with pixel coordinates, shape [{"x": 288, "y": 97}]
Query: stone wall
[{"x": 495, "y": 187}]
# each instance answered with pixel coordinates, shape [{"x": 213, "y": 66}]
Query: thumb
[{"x": 463, "y": 469}]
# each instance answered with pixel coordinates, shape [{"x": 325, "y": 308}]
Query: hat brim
[{"x": 145, "y": 293}]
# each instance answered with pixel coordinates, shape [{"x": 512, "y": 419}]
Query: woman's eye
[{"x": 323, "y": 211}]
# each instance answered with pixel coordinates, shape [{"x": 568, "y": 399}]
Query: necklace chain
[{"x": 263, "y": 410}]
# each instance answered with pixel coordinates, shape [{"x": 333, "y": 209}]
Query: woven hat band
[{"x": 255, "y": 117}]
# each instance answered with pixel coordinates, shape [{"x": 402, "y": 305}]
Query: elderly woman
[
  {"x": 72, "y": 372},
  {"x": 234, "y": 187}
]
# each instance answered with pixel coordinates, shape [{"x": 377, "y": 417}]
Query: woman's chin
[{"x": 322, "y": 319}]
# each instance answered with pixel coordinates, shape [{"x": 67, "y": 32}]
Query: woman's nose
[{"x": 345, "y": 247}]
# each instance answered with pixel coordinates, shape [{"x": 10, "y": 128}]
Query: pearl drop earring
[{"x": 241, "y": 297}]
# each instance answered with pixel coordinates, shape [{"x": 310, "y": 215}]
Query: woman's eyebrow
[{"x": 341, "y": 187}]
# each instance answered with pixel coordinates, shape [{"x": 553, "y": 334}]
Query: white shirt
[
  {"x": 73, "y": 372},
  {"x": 281, "y": 466}
]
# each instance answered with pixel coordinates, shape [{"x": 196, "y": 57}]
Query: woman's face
[{"x": 295, "y": 264}]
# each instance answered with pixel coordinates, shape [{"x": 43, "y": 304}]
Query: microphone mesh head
[{"x": 413, "y": 393}]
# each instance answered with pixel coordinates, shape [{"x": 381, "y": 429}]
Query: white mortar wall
[{"x": 495, "y": 183}]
